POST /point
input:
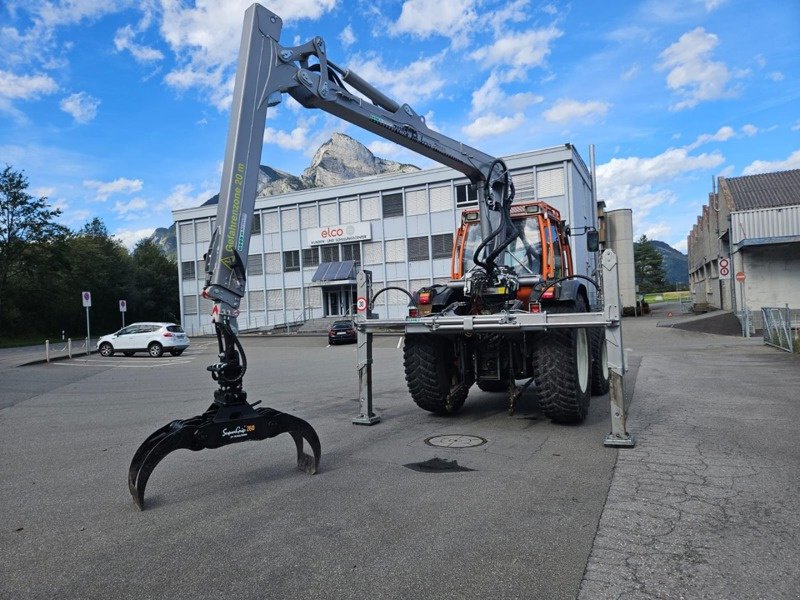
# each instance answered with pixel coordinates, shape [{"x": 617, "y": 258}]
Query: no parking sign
[{"x": 361, "y": 304}]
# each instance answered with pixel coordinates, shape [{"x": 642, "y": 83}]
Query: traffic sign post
[
  {"x": 123, "y": 308},
  {"x": 740, "y": 277},
  {"x": 86, "y": 297}
]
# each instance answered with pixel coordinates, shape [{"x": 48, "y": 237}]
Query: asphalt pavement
[{"x": 705, "y": 506}]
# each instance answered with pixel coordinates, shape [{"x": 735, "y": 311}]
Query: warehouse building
[
  {"x": 744, "y": 250},
  {"x": 307, "y": 246}
]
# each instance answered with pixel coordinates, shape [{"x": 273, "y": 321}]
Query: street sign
[
  {"x": 724, "y": 268},
  {"x": 87, "y": 299},
  {"x": 740, "y": 276},
  {"x": 123, "y": 306},
  {"x": 361, "y": 304}
]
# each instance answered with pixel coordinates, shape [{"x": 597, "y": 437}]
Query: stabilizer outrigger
[{"x": 229, "y": 420}]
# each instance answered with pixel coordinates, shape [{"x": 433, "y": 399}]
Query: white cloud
[
  {"x": 124, "y": 40},
  {"x": 296, "y": 139},
  {"x": 132, "y": 206},
  {"x": 205, "y": 39},
  {"x": 723, "y": 134},
  {"x": 490, "y": 96},
  {"x": 776, "y": 76},
  {"x": 25, "y": 87},
  {"x": 121, "y": 185},
  {"x": 183, "y": 196},
  {"x": 492, "y": 124},
  {"x": 765, "y": 166},
  {"x": 520, "y": 51},
  {"x": 452, "y": 19},
  {"x": 749, "y": 130},
  {"x": 347, "y": 37},
  {"x": 409, "y": 84},
  {"x": 566, "y": 110},
  {"x": 635, "y": 182},
  {"x": 681, "y": 245},
  {"x": 46, "y": 192},
  {"x": 630, "y": 73},
  {"x": 692, "y": 74},
  {"x": 796, "y": 126},
  {"x": 130, "y": 237},
  {"x": 81, "y": 106}
]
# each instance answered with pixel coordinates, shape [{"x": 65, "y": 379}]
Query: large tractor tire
[
  {"x": 563, "y": 359},
  {"x": 599, "y": 362},
  {"x": 432, "y": 374}
]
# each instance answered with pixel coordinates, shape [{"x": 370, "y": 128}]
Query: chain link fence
[{"x": 782, "y": 328}]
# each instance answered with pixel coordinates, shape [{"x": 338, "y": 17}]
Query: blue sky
[{"x": 120, "y": 109}]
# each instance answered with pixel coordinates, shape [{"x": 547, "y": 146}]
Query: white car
[{"x": 153, "y": 338}]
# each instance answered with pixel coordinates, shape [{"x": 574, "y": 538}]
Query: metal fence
[{"x": 782, "y": 328}]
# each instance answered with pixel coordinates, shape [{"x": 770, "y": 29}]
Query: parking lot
[{"x": 544, "y": 511}]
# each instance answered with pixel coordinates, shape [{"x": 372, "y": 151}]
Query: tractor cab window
[
  {"x": 524, "y": 256},
  {"x": 557, "y": 253}
]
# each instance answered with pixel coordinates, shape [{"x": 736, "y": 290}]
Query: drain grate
[
  {"x": 455, "y": 441},
  {"x": 437, "y": 465}
]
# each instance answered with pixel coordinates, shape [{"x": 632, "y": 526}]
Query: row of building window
[
  {"x": 435, "y": 198},
  {"x": 289, "y": 260}
]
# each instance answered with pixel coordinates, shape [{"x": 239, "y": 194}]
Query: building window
[
  {"x": 395, "y": 251},
  {"x": 373, "y": 253},
  {"x": 440, "y": 198},
  {"x": 190, "y": 305},
  {"x": 327, "y": 214},
  {"x": 466, "y": 193},
  {"x": 308, "y": 217},
  {"x": 293, "y": 298},
  {"x": 201, "y": 268},
  {"x": 291, "y": 260},
  {"x": 330, "y": 253},
  {"x": 442, "y": 245},
  {"x": 255, "y": 225},
  {"x": 256, "y": 300},
  {"x": 370, "y": 208},
  {"x": 314, "y": 297},
  {"x": 392, "y": 205},
  {"x": 416, "y": 202},
  {"x": 550, "y": 183},
  {"x": 310, "y": 257},
  {"x": 275, "y": 299},
  {"x": 271, "y": 224},
  {"x": 348, "y": 211},
  {"x": 289, "y": 219},
  {"x": 351, "y": 252},
  {"x": 418, "y": 248},
  {"x": 273, "y": 262},
  {"x": 255, "y": 264},
  {"x": 187, "y": 233},
  {"x": 203, "y": 231},
  {"x": 187, "y": 270}
]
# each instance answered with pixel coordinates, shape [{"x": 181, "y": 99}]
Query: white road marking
[{"x": 399, "y": 341}]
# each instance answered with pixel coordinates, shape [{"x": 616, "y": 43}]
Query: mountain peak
[{"x": 342, "y": 158}]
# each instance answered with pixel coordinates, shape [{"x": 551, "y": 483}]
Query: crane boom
[{"x": 265, "y": 72}]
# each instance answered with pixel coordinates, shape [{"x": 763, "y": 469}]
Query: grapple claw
[
  {"x": 173, "y": 436},
  {"x": 219, "y": 426}
]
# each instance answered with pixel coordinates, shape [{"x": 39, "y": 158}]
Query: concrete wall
[{"x": 772, "y": 278}]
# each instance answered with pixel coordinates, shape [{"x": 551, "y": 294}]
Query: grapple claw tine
[
  {"x": 299, "y": 430},
  {"x": 174, "y": 436}
]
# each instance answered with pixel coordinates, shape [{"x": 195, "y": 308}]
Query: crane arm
[{"x": 266, "y": 70}]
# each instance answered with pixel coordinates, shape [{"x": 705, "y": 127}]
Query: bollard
[
  {"x": 69, "y": 347},
  {"x": 47, "y": 350}
]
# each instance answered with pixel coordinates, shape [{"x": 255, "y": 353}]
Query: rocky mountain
[
  {"x": 676, "y": 263},
  {"x": 339, "y": 159}
]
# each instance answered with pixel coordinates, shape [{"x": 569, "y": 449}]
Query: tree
[
  {"x": 649, "y": 267},
  {"x": 25, "y": 224},
  {"x": 155, "y": 284}
]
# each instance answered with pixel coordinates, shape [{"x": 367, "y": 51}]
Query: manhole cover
[{"x": 455, "y": 441}]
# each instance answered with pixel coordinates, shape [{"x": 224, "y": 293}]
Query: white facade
[{"x": 400, "y": 227}]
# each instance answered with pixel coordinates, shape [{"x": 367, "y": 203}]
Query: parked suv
[
  {"x": 342, "y": 331},
  {"x": 153, "y": 338}
]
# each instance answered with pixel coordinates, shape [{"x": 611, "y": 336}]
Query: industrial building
[
  {"x": 307, "y": 246},
  {"x": 744, "y": 250}
]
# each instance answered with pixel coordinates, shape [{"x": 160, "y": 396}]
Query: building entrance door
[{"x": 332, "y": 303}]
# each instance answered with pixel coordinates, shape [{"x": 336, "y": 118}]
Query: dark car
[{"x": 342, "y": 331}]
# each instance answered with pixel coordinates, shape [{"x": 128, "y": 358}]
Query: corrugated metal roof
[{"x": 766, "y": 190}]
